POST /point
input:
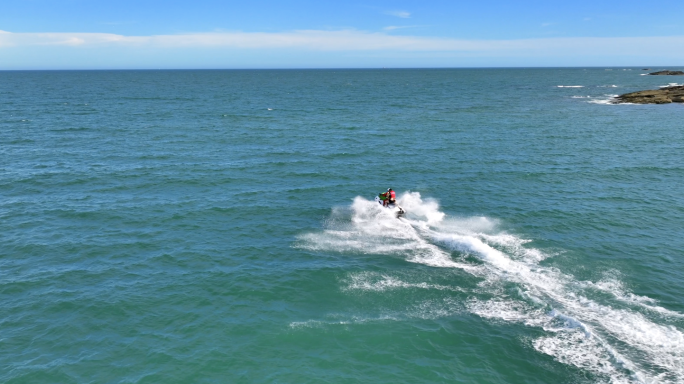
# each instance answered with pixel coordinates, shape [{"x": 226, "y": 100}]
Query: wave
[
  {"x": 624, "y": 339},
  {"x": 605, "y": 100},
  {"x": 570, "y": 86}
]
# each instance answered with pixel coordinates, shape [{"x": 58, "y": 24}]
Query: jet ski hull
[{"x": 398, "y": 211}]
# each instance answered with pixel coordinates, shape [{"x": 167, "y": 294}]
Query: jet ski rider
[{"x": 390, "y": 197}]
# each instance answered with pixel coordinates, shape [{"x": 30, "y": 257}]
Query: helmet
[{"x": 389, "y": 189}]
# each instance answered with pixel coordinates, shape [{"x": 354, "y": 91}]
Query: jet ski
[{"x": 398, "y": 211}]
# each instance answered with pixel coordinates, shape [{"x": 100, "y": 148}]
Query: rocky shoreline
[
  {"x": 667, "y": 73},
  {"x": 665, "y": 95}
]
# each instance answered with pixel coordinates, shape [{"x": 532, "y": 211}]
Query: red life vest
[{"x": 393, "y": 195}]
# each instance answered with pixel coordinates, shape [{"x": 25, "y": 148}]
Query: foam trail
[
  {"x": 470, "y": 244},
  {"x": 614, "y": 287},
  {"x": 648, "y": 341},
  {"x": 370, "y": 281},
  {"x": 613, "y": 338}
]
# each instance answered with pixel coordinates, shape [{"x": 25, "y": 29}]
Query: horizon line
[{"x": 349, "y": 68}]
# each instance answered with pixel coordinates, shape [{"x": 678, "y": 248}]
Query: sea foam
[{"x": 621, "y": 344}]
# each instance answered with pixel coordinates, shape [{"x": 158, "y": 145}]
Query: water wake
[{"x": 624, "y": 339}]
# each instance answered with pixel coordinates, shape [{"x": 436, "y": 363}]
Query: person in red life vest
[{"x": 391, "y": 197}]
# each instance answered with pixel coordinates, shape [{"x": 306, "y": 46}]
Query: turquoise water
[{"x": 218, "y": 227}]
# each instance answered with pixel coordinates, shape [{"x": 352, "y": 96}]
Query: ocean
[{"x": 218, "y": 226}]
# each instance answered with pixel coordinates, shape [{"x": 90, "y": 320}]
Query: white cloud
[
  {"x": 546, "y": 24},
  {"x": 355, "y": 40},
  {"x": 402, "y": 14},
  {"x": 9, "y": 39}
]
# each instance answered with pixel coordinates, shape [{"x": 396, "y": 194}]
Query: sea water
[{"x": 219, "y": 227}]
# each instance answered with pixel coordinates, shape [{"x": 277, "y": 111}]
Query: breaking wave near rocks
[{"x": 596, "y": 326}]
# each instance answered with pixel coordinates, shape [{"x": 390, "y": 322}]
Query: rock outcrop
[
  {"x": 667, "y": 73},
  {"x": 665, "y": 95}
]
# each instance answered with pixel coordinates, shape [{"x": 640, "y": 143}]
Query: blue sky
[{"x": 80, "y": 34}]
